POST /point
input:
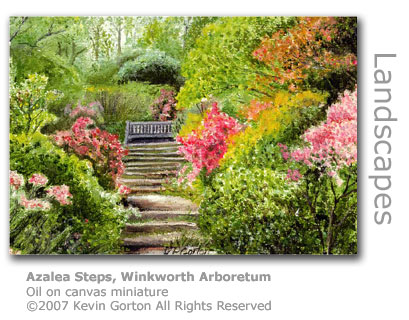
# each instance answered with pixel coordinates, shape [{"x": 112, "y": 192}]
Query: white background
[{"x": 373, "y": 285}]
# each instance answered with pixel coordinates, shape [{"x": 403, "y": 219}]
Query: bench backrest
[{"x": 148, "y": 130}]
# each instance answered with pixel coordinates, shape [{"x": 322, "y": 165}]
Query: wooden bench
[{"x": 148, "y": 131}]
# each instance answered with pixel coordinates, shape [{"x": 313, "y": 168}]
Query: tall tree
[
  {"x": 220, "y": 60},
  {"x": 165, "y": 34},
  {"x": 117, "y": 26},
  {"x": 33, "y": 31},
  {"x": 100, "y": 37}
]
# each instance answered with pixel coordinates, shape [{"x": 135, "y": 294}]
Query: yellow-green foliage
[
  {"x": 28, "y": 104},
  {"x": 285, "y": 109},
  {"x": 193, "y": 122},
  {"x": 221, "y": 60}
]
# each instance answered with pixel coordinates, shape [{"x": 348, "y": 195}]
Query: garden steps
[
  {"x": 145, "y": 154},
  {"x": 156, "y": 165},
  {"x": 146, "y": 189},
  {"x": 147, "y": 171},
  {"x": 151, "y": 160},
  {"x": 132, "y": 146},
  {"x": 150, "y": 241},
  {"x": 163, "y": 219},
  {"x": 161, "y": 203},
  {"x": 129, "y": 174},
  {"x": 153, "y": 169},
  {"x": 160, "y": 226},
  {"x": 164, "y": 215},
  {"x": 147, "y": 244},
  {"x": 142, "y": 182},
  {"x": 159, "y": 159},
  {"x": 149, "y": 165},
  {"x": 155, "y": 149}
]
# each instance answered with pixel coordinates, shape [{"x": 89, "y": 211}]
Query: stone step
[
  {"x": 137, "y": 164},
  {"x": 147, "y": 189},
  {"x": 155, "y": 149},
  {"x": 158, "y": 159},
  {"x": 161, "y": 203},
  {"x": 152, "y": 167},
  {"x": 142, "y": 182},
  {"x": 160, "y": 226},
  {"x": 129, "y": 174},
  {"x": 153, "y": 154},
  {"x": 150, "y": 241},
  {"x": 153, "y": 145},
  {"x": 163, "y": 215}
]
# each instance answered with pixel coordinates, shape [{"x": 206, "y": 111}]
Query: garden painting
[{"x": 142, "y": 135}]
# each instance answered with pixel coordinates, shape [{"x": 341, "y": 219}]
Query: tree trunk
[
  {"x": 96, "y": 49},
  {"x": 73, "y": 52},
  {"x": 330, "y": 235},
  {"x": 119, "y": 52}
]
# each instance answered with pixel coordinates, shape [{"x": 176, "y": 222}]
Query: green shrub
[
  {"x": 251, "y": 211},
  {"x": 28, "y": 104},
  {"x": 327, "y": 201},
  {"x": 124, "y": 102},
  {"x": 34, "y": 212},
  {"x": 95, "y": 218},
  {"x": 103, "y": 73},
  {"x": 116, "y": 128},
  {"x": 129, "y": 55},
  {"x": 36, "y": 231},
  {"x": 152, "y": 66},
  {"x": 71, "y": 113},
  {"x": 221, "y": 61},
  {"x": 61, "y": 76},
  {"x": 129, "y": 101}
]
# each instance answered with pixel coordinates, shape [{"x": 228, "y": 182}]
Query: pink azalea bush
[
  {"x": 83, "y": 110},
  {"x": 37, "y": 179},
  {"x": 206, "y": 146},
  {"x": 293, "y": 175},
  {"x": 16, "y": 180},
  {"x": 122, "y": 189},
  {"x": 164, "y": 107},
  {"x": 60, "y": 193},
  {"x": 102, "y": 148},
  {"x": 333, "y": 144},
  {"x": 34, "y": 204},
  {"x": 90, "y": 110}
]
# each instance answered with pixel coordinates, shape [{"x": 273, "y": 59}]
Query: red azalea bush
[
  {"x": 303, "y": 48},
  {"x": 253, "y": 111},
  {"x": 205, "y": 146},
  {"x": 99, "y": 146},
  {"x": 164, "y": 107},
  {"x": 306, "y": 49}
]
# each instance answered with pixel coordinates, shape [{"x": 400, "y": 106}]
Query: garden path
[{"x": 164, "y": 219}]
